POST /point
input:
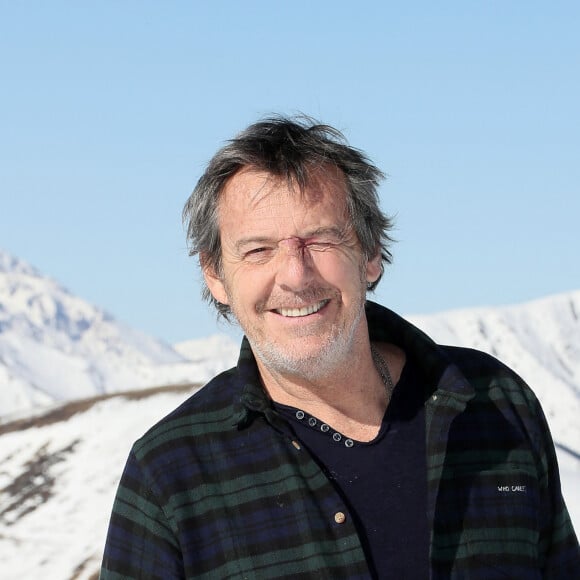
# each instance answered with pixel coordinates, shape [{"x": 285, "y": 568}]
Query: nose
[{"x": 295, "y": 266}]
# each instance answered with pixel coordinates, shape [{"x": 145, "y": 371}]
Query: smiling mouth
[{"x": 297, "y": 312}]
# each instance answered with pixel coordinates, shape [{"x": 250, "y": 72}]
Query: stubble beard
[{"x": 319, "y": 361}]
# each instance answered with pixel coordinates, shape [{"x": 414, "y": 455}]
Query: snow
[{"x": 67, "y": 529}]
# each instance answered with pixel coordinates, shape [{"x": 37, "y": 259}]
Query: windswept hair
[{"x": 288, "y": 148}]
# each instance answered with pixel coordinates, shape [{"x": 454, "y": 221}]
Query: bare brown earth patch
[{"x": 67, "y": 410}]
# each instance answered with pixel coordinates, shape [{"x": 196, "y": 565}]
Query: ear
[
  {"x": 214, "y": 283},
  {"x": 373, "y": 268}
]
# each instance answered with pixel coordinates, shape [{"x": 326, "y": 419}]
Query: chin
[{"x": 310, "y": 363}]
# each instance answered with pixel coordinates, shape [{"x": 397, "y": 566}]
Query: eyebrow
[{"x": 336, "y": 231}]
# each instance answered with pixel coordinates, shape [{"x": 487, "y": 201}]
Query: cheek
[
  {"x": 246, "y": 286},
  {"x": 340, "y": 269}
]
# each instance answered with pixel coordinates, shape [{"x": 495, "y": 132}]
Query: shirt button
[{"x": 339, "y": 518}]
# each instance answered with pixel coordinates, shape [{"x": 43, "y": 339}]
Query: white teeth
[{"x": 295, "y": 312}]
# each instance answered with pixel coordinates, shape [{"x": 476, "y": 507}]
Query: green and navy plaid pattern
[{"x": 221, "y": 488}]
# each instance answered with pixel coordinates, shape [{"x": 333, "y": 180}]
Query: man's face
[{"x": 293, "y": 270}]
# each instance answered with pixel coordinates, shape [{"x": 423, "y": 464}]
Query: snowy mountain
[{"x": 56, "y": 347}]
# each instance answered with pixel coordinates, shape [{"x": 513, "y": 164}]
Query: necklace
[
  {"x": 383, "y": 369},
  {"x": 314, "y": 423}
]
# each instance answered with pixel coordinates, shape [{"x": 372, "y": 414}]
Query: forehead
[{"x": 252, "y": 190}]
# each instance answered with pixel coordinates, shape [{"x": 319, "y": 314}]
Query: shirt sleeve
[
  {"x": 141, "y": 541},
  {"x": 559, "y": 547}
]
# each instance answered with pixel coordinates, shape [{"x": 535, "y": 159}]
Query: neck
[{"x": 351, "y": 397}]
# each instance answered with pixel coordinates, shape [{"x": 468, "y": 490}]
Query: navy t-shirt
[{"x": 383, "y": 481}]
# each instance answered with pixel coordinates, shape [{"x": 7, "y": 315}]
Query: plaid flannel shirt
[{"x": 222, "y": 488}]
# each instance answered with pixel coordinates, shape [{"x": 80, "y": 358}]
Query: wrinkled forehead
[{"x": 258, "y": 186}]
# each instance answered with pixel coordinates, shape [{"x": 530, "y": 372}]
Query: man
[{"x": 345, "y": 444}]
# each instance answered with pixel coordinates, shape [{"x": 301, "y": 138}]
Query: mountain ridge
[{"x": 55, "y": 347}]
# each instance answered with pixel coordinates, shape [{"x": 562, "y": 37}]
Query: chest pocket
[{"x": 488, "y": 522}]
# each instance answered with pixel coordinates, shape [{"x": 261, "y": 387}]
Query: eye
[
  {"x": 320, "y": 245},
  {"x": 258, "y": 254}
]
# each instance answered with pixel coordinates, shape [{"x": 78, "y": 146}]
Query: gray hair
[{"x": 287, "y": 148}]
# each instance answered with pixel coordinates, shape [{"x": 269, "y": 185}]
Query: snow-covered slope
[
  {"x": 56, "y": 347},
  {"x": 216, "y": 352},
  {"x": 58, "y": 479},
  {"x": 540, "y": 340},
  {"x": 57, "y": 483}
]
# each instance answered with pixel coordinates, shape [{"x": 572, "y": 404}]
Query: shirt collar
[{"x": 432, "y": 362}]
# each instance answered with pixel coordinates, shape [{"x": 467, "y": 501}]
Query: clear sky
[{"x": 109, "y": 111}]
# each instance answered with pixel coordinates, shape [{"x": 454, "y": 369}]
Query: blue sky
[{"x": 109, "y": 111}]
